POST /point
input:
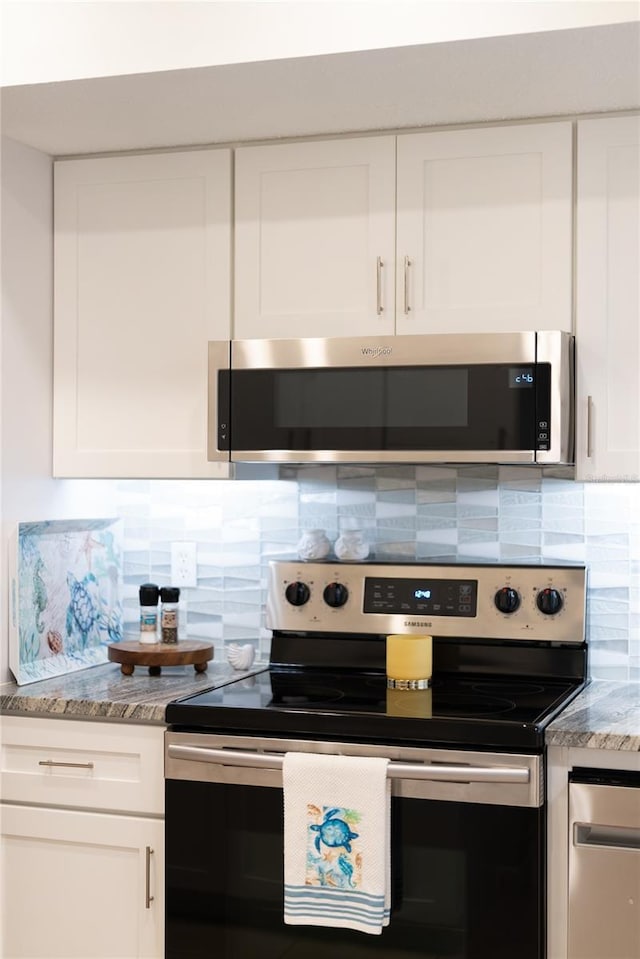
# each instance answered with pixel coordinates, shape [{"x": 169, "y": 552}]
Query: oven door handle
[{"x": 438, "y": 772}]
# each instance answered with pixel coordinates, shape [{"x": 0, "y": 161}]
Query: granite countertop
[
  {"x": 606, "y": 715},
  {"x": 103, "y": 692}
]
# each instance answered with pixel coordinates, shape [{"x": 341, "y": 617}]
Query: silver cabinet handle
[
  {"x": 379, "y": 265},
  {"x": 51, "y": 762},
  {"x": 407, "y": 264},
  {"x": 440, "y": 773},
  {"x": 589, "y": 427},
  {"x": 148, "y": 898}
]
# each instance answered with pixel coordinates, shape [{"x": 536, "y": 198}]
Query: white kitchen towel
[{"x": 337, "y": 857}]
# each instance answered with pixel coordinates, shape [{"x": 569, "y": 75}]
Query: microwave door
[{"x": 392, "y": 415}]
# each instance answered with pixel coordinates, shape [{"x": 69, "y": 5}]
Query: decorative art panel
[{"x": 65, "y": 596}]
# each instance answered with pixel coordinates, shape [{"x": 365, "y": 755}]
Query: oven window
[{"x": 467, "y": 881}]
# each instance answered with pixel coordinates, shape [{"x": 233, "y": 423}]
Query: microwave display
[{"x": 522, "y": 378}]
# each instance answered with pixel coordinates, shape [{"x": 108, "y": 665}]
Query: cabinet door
[
  {"x": 142, "y": 282},
  {"x": 484, "y": 230},
  {"x": 314, "y": 238},
  {"x": 607, "y": 300},
  {"x": 78, "y": 885}
]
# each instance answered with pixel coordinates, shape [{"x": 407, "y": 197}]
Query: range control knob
[
  {"x": 335, "y": 595},
  {"x": 297, "y": 593},
  {"x": 507, "y": 599},
  {"x": 549, "y": 601}
]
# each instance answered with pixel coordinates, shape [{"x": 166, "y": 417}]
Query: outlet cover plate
[{"x": 184, "y": 567}]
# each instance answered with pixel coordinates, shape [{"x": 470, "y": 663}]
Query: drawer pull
[
  {"x": 148, "y": 898},
  {"x": 51, "y": 762}
]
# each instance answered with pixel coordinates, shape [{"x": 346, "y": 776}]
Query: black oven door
[
  {"x": 418, "y": 399},
  {"x": 467, "y": 877}
]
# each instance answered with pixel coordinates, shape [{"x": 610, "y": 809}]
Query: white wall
[
  {"x": 27, "y": 489},
  {"x": 49, "y": 40}
]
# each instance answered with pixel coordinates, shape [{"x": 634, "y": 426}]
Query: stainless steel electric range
[{"x": 467, "y": 758}]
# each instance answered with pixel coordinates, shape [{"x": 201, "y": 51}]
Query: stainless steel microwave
[{"x": 433, "y": 398}]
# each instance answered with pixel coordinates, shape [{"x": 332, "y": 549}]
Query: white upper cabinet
[
  {"x": 142, "y": 282},
  {"x": 484, "y": 230},
  {"x": 483, "y": 220},
  {"x": 314, "y": 238},
  {"x": 608, "y": 300}
]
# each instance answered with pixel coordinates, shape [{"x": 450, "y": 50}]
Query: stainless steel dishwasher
[{"x": 604, "y": 864}]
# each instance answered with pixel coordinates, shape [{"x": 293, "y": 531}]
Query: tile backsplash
[{"x": 431, "y": 514}]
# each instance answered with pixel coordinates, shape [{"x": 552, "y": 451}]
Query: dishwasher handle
[
  {"x": 424, "y": 771},
  {"x": 615, "y": 837}
]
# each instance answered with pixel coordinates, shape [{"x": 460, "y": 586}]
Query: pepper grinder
[{"x": 169, "y": 597}]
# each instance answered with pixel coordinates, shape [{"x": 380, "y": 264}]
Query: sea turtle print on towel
[{"x": 333, "y": 854}]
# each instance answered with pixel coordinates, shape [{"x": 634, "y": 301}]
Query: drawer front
[{"x": 105, "y": 766}]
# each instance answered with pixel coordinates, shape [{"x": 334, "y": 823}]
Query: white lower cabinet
[
  {"x": 82, "y": 840},
  {"x": 79, "y": 884}
]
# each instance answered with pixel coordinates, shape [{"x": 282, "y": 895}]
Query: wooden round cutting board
[{"x": 185, "y": 652}]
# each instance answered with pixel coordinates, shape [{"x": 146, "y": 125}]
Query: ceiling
[{"x": 565, "y": 72}]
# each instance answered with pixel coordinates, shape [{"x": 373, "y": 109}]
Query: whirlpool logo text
[{"x": 374, "y": 351}]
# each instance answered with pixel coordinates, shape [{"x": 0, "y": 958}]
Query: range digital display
[{"x": 421, "y": 597}]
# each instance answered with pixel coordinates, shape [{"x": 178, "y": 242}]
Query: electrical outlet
[{"x": 184, "y": 569}]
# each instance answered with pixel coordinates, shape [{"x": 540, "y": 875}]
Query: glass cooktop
[{"x": 474, "y": 711}]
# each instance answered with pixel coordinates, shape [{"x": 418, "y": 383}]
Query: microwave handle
[{"x": 218, "y": 404}]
